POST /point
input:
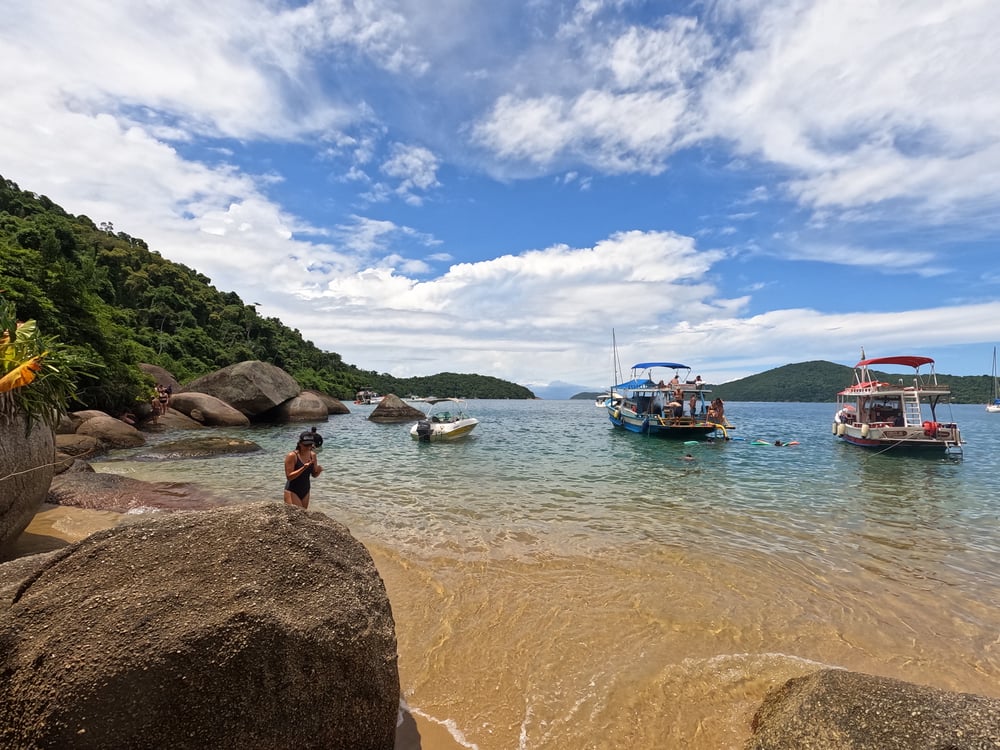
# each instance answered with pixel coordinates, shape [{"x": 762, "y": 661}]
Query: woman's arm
[{"x": 314, "y": 461}]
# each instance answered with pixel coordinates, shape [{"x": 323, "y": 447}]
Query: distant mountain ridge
[{"x": 819, "y": 381}]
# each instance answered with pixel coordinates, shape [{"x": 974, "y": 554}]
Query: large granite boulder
[
  {"x": 255, "y": 627},
  {"x": 252, "y": 387},
  {"x": 160, "y": 376},
  {"x": 305, "y": 407},
  {"x": 833, "y": 709},
  {"x": 393, "y": 409},
  {"x": 208, "y": 410},
  {"x": 111, "y": 432},
  {"x": 26, "y": 469}
]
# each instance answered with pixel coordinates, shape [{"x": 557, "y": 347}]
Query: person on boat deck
[
  {"x": 898, "y": 420},
  {"x": 677, "y": 404},
  {"x": 697, "y": 381},
  {"x": 693, "y": 404},
  {"x": 674, "y": 381},
  {"x": 300, "y": 465}
]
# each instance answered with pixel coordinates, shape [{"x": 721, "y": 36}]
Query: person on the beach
[
  {"x": 300, "y": 465},
  {"x": 317, "y": 438}
]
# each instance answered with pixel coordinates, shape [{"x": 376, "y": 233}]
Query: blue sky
[{"x": 493, "y": 188}]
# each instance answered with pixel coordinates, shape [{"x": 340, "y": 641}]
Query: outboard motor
[{"x": 424, "y": 430}]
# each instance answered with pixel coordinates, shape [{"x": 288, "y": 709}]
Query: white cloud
[
  {"x": 414, "y": 167},
  {"x": 896, "y": 113}
]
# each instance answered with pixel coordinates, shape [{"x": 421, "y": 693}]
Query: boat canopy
[
  {"x": 635, "y": 384},
  {"x": 673, "y": 365},
  {"x": 913, "y": 362}
]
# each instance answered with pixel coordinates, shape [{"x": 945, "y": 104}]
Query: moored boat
[
  {"x": 677, "y": 409},
  {"x": 446, "y": 420},
  {"x": 368, "y": 397},
  {"x": 602, "y": 399},
  {"x": 993, "y": 406},
  {"x": 901, "y": 416}
]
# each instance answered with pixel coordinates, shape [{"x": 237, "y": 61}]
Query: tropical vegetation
[
  {"x": 27, "y": 358},
  {"x": 117, "y": 303}
]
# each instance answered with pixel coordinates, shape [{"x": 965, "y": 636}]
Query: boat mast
[{"x": 616, "y": 365}]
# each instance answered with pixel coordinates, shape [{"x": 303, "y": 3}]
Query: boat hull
[
  {"x": 944, "y": 438},
  {"x": 431, "y": 432},
  {"x": 679, "y": 428}
]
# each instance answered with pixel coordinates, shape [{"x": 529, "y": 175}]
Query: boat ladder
[
  {"x": 953, "y": 449},
  {"x": 911, "y": 409}
]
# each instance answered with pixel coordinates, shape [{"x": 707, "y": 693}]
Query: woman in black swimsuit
[{"x": 300, "y": 464}]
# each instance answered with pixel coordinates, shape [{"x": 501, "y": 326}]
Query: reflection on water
[{"x": 557, "y": 584}]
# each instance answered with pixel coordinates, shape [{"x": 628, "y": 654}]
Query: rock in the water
[
  {"x": 210, "y": 410},
  {"x": 112, "y": 432},
  {"x": 252, "y": 387},
  {"x": 306, "y": 407},
  {"x": 260, "y": 627},
  {"x": 833, "y": 709},
  {"x": 203, "y": 447},
  {"x": 333, "y": 405},
  {"x": 103, "y": 491},
  {"x": 393, "y": 409}
]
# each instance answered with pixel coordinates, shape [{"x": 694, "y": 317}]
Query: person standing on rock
[{"x": 300, "y": 465}]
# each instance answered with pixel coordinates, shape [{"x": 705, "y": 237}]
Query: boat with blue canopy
[{"x": 677, "y": 408}]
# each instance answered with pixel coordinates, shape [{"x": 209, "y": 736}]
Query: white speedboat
[
  {"x": 602, "y": 400},
  {"x": 446, "y": 420}
]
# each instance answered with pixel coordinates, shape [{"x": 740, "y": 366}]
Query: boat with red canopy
[{"x": 889, "y": 412}]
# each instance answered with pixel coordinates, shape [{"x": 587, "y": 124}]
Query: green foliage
[
  {"x": 47, "y": 369},
  {"x": 117, "y": 303}
]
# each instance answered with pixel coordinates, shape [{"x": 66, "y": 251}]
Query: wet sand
[{"x": 57, "y": 526}]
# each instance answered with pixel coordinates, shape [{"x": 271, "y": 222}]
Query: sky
[{"x": 508, "y": 188}]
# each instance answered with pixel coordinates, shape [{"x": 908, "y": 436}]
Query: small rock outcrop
[
  {"x": 83, "y": 446},
  {"x": 208, "y": 410},
  {"x": 252, "y": 387},
  {"x": 260, "y": 627},
  {"x": 833, "y": 709},
  {"x": 27, "y": 461},
  {"x": 113, "y": 433},
  {"x": 394, "y": 409}
]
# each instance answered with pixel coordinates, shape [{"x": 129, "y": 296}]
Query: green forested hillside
[
  {"x": 820, "y": 381},
  {"x": 452, "y": 384},
  {"x": 119, "y": 303}
]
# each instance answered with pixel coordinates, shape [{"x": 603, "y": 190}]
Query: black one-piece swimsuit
[{"x": 299, "y": 485}]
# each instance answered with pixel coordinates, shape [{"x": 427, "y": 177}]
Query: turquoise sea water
[{"x": 557, "y": 583}]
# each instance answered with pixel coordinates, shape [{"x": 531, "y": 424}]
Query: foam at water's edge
[{"x": 448, "y": 724}]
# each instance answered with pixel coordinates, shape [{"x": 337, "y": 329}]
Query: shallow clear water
[{"x": 557, "y": 583}]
